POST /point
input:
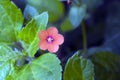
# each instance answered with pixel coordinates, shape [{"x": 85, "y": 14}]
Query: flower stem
[{"x": 84, "y": 38}]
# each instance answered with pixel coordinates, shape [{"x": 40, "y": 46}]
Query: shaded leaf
[
  {"x": 107, "y": 65},
  {"x": 66, "y": 25},
  {"x": 54, "y": 7},
  {"x": 30, "y": 12},
  {"x": 29, "y": 34},
  {"x": 79, "y": 68},
  {"x": 77, "y": 14},
  {"x": 46, "y": 67},
  {"x": 10, "y": 21}
]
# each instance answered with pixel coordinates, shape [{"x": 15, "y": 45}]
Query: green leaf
[
  {"x": 6, "y": 53},
  {"x": 66, "y": 25},
  {"x": 79, "y": 68},
  {"x": 54, "y": 7},
  {"x": 11, "y": 21},
  {"x": 4, "y": 70},
  {"x": 46, "y": 67},
  {"x": 77, "y": 14},
  {"x": 7, "y": 56},
  {"x": 29, "y": 34},
  {"x": 107, "y": 65},
  {"x": 30, "y": 12}
]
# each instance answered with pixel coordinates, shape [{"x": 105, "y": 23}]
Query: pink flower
[{"x": 50, "y": 39}]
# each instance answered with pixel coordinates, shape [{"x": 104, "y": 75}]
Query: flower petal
[
  {"x": 53, "y": 48},
  {"x": 43, "y": 45},
  {"x": 59, "y": 39},
  {"x": 43, "y": 35},
  {"x": 52, "y": 30}
]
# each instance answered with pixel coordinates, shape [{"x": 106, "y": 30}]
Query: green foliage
[
  {"x": 30, "y": 12},
  {"x": 29, "y": 34},
  {"x": 107, "y": 65},
  {"x": 66, "y": 25},
  {"x": 7, "y": 57},
  {"x": 15, "y": 43},
  {"x": 12, "y": 60},
  {"x": 6, "y": 53},
  {"x": 4, "y": 70},
  {"x": 79, "y": 68},
  {"x": 46, "y": 67},
  {"x": 10, "y": 21},
  {"x": 77, "y": 14},
  {"x": 54, "y": 7}
]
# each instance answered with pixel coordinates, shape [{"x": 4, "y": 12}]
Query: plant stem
[{"x": 84, "y": 38}]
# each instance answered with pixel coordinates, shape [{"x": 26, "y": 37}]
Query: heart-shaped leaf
[
  {"x": 79, "y": 68},
  {"x": 77, "y": 14}
]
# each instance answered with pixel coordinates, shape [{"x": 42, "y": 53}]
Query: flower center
[{"x": 50, "y": 39}]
